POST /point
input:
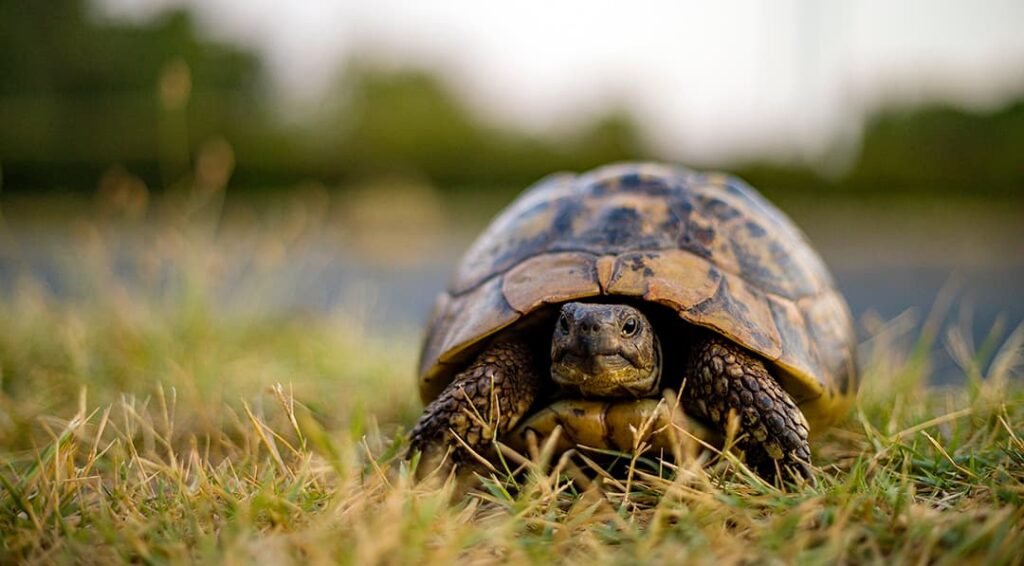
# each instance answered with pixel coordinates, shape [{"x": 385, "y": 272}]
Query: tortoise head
[{"x": 605, "y": 350}]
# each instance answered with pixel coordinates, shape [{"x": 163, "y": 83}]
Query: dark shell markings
[{"x": 705, "y": 245}]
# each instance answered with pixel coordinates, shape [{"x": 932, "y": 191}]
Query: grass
[{"x": 142, "y": 421}]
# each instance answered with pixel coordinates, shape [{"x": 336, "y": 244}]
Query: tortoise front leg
[
  {"x": 481, "y": 403},
  {"x": 723, "y": 377}
]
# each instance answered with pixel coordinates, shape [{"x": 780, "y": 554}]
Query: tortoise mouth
[
  {"x": 599, "y": 363},
  {"x": 610, "y": 374},
  {"x": 611, "y": 379}
]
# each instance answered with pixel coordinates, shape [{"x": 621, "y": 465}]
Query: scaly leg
[
  {"x": 481, "y": 403},
  {"x": 723, "y": 377}
]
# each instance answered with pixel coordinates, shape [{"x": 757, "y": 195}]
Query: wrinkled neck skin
[{"x": 605, "y": 350}]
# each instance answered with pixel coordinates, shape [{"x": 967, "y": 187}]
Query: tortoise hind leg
[
  {"x": 481, "y": 403},
  {"x": 723, "y": 377}
]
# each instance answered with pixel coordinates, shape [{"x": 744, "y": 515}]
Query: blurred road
[{"x": 885, "y": 262}]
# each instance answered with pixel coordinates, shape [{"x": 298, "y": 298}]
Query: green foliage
[
  {"x": 927, "y": 150},
  {"x": 59, "y": 48},
  {"x": 84, "y": 94},
  {"x": 408, "y": 121},
  {"x": 941, "y": 148},
  {"x": 80, "y": 94}
]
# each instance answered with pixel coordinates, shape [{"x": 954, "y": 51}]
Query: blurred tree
[
  {"x": 923, "y": 150},
  {"x": 404, "y": 120},
  {"x": 941, "y": 148},
  {"x": 58, "y": 47},
  {"x": 79, "y": 94},
  {"x": 613, "y": 136},
  {"x": 408, "y": 120}
]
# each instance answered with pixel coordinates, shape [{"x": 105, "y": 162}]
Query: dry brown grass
[{"x": 144, "y": 424}]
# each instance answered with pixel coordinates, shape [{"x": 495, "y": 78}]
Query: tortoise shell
[{"x": 707, "y": 246}]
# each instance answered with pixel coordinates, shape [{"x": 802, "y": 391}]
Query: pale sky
[{"x": 709, "y": 80}]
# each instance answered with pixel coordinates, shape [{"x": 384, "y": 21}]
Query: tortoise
[{"x": 592, "y": 294}]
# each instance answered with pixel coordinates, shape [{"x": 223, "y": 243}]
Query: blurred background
[{"x": 315, "y": 158}]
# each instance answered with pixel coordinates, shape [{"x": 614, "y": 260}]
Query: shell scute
[
  {"x": 470, "y": 317},
  {"x": 671, "y": 277},
  {"x": 522, "y": 230},
  {"x": 828, "y": 326},
  {"x": 550, "y": 278},
  {"x": 740, "y": 312},
  {"x": 799, "y": 354}
]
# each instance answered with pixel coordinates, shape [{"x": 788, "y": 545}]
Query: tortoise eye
[
  {"x": 630, "y": 327},
  {"x": 563, "y": 323}
]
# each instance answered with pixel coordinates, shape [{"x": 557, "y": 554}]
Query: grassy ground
[{"x": 141, "y": 422}]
